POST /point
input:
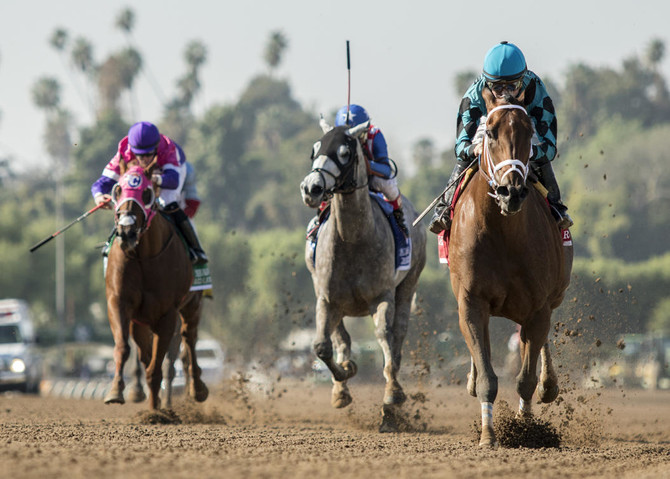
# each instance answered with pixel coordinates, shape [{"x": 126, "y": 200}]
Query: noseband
[{"x": 516, "y": 166}]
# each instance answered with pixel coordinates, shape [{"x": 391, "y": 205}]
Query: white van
[{"x": 20, "y": 363}]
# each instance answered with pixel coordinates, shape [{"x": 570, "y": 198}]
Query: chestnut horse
[
  {"x": 507, "y": 259},
  {"x": 353, "y": 266},
  {"x": 148, "y": 278}
]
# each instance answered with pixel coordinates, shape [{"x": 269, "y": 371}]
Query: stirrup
[{"x": 440, "y": 222}]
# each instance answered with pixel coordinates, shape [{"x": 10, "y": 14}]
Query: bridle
[
  {"x": 345, "y": 181},
  {"x": 491, "y": 168},
  {"x": 131, "y": 189}
]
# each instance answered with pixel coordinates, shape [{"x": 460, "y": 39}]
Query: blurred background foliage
[{"x": 250, "y": 156}]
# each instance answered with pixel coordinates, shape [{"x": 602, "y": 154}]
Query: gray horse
[{"x": 353, "y": 264}]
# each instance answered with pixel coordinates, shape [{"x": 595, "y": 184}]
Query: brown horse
[
  {"x": 148, "y": 278},
  {"x": 507, "y": 259}
]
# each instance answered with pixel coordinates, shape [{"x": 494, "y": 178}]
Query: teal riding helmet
[{"x": 504, "y": 62}]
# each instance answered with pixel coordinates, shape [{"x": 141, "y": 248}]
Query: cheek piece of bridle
[{"x": 516, "y": 166}]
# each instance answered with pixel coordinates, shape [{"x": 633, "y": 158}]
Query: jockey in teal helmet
[{"x": 505, "y": 73}]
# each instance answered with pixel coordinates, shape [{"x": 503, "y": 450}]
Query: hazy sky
[{"x": 405, "y": 53}]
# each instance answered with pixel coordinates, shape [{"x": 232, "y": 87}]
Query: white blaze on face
[{"x": 127, "y": 220}]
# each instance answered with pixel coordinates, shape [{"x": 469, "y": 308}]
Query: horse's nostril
[
  {"x": 502, "y": 191},
  {"x": 317, "y": 190}
]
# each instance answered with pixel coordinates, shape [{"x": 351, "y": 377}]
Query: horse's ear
[
  {"x": 150, "y": 167},
  {"x": 123, "y": 167},
  {"x": 489, "y": 98},
  {"x": 324, "y": 125},
  {"x": 358, "y": 130}
]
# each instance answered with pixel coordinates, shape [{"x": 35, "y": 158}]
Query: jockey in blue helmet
[
  {"x": 383, "y": 177},
  {"x": 505, "y": 73}
]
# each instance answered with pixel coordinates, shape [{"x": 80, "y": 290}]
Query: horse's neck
[
  {"x": 488, "y": 211},
  {"x": 353, "y": 211},
  {"x": 155, "y": 237}
]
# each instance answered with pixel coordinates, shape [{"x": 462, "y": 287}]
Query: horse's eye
[
  {"x": 315, "y": 149},
  {"x": 492, "y": 133},
  {"x": 116, "y": 193},
  {"x": 343, "y": 153},
  {"x": 148, "y": 197}
]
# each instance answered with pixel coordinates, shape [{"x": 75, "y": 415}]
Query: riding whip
[
  {"x": 46, "y": 240},
  {"x": 437, "y": 198},
  {"x": 348, "y": 83}
]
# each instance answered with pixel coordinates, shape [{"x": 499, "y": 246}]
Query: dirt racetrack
[{"x": 291, "y": 431}]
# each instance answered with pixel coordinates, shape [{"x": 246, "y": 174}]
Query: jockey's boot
[
  {"x": 545, "y": 172},
  {"x": 441, "y": 220},
  {"x": 399, "y": 215},
  {"x": 198, "y": 256}
]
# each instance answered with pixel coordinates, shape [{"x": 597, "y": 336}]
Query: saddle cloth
[{"x": 403, "y": 244}]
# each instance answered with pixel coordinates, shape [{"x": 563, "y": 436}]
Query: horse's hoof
[
  {"x": 488, "y": 439},
  {"x": 350, "y": 368},
  {"x": 396, "y": 398},
  {"x": 137, "y": 395},
  {"x": 114, "y": 399},
  {"x": 547, "y": 395},
  {"x": 341, "y": 399},
  {"x": 389, "y": 419},
  {"x": 199, "y": 391}
]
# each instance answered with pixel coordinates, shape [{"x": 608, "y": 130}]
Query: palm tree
[
  {"x": 59, "y": 39},
  {"x": 46, "y": 93},
  {"x": 274, "y": 49},
  {"x": 125, "y": 20}
]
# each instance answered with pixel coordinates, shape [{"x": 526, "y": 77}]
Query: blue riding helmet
[
  {"x": 143, "y": 137},
  {"x": 504, "y": 62},
  {"x": 357, "y": 115}
]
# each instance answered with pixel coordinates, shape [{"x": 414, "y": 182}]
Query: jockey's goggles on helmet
[
  {"x": 509, "y": 86},
  {"x": 151, "y": 154}
]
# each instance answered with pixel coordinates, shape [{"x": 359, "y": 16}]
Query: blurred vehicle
[
  {"x": 211, "y": 361},
  {"x": 20, "y": 361}
]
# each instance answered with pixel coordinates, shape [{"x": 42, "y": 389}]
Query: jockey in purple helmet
[
  {"x": 383, "y": 178},
  {"x": 144, "y": 143},
  {"x": 505, "y": 73}
]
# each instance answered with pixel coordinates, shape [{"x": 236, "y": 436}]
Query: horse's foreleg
[
  {"x": 472, "y": 379},
  {"x": 341, "y": 397},
  {"x": 326, "y": 323},
  {"x": 120, "y": 331},
  {"x": 162, "y": 335},
  {"x": 547, "y": 389},
  {"x": 474, "y": 325},
  {"x": 391, "y": 321},
  {"x": 168, "y": 366},
  {"x": 190, "y": 315},
  {"x": 136, "y": 388},
  {"x": 533, "y": 337}
]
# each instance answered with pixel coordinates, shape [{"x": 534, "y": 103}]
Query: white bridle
[{"x": 516, "y": 166}]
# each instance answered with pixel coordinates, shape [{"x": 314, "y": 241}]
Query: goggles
[{"x": 500, "y": 87}]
